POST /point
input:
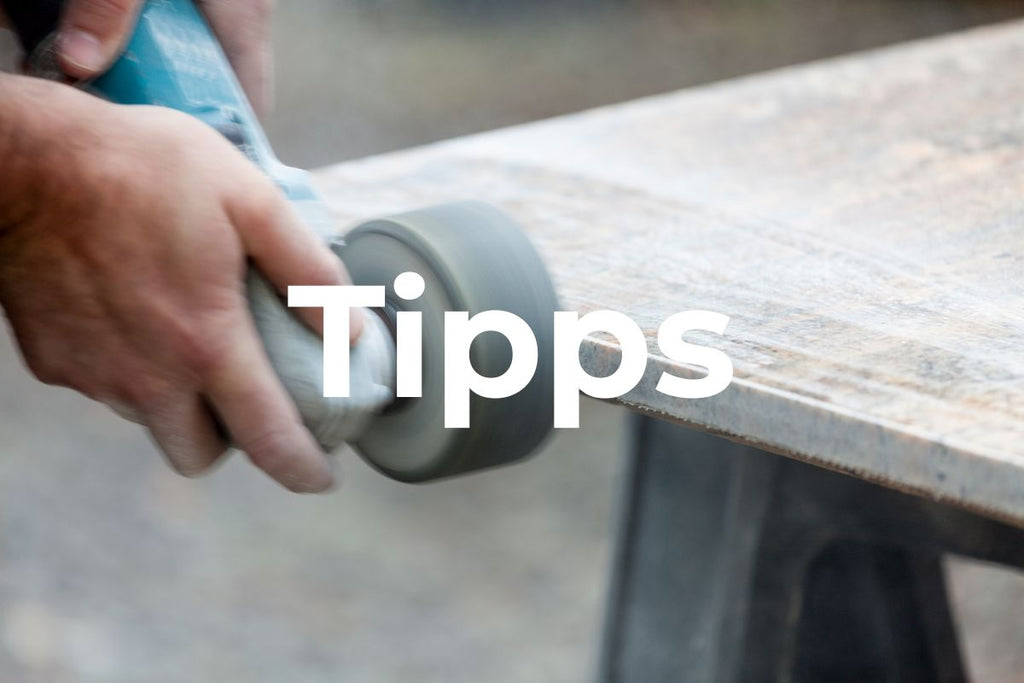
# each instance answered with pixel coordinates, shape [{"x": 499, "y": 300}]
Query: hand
[
  {"x": 94, "y": 32},
  {"x": 124, "y": 238}
]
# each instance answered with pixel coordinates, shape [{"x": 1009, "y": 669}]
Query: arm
[{"x": 124, "y": 235}]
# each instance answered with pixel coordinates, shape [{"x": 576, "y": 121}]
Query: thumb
[{"x": 93, "y": 33}]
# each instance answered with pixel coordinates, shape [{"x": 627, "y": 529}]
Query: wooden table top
[{"x": 861, "y": 220}]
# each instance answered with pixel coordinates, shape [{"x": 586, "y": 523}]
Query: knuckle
[
  {"x": 55, "y": 365},
  {"x": 48, "y": 367},
  {"x": 192, "y": 470},
  {"x": 276, "y": 451},
  {"x": 100, "y": 15},
  {"x": 203, "y": 358},
  {"x": 190, "y": 457},
  {"x": 200, "y": 349},
  {"x": 265, "y": 201},
  {"x": 243, "y": 26},
  {"x": 259, "y": 208},
  {"x": 269, "y": 450},
  {"x": 261, "y": 11},
  {"x": 89, "y": 387},
  {"x": 323, "y": 268},
  {"x": 193, "y": 342},
  {"x": 47, "y": 370},
  {"x": 141, "y": 390}
]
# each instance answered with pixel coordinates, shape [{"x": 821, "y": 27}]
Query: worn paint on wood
[{"x": 861, "y": 220}]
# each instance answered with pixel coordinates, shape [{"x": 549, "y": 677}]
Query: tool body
[{"x": 472, "y": 258}]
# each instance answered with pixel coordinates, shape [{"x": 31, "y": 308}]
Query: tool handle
[{"x": 174, "y": 60}]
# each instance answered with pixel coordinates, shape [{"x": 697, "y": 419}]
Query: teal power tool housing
[{"x": 472, "y": 258}]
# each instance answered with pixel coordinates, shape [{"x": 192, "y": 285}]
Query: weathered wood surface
[{"x": 861, "y": 220}]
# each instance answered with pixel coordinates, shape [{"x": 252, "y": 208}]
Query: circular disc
[{"x": 472, "y": 258}]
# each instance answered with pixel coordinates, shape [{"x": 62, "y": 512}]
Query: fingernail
[{"x": 82, "y": 49}]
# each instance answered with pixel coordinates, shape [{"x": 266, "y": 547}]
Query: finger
[
  {"x": 243, "y": 28},
  {"x": 262, "y": 419},
  {"x": 93, "y": 33},
  {"x": 124, "y": 411},
  {"x": 289, "y": 253},
  {"x": 185, "y": 431}
]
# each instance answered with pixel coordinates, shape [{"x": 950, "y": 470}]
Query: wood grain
[{"x": 861, "y": 220}]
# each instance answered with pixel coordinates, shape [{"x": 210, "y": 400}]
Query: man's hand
[
  {"x": 94, "y": 32},
  {"x": 124, "y": 239}
]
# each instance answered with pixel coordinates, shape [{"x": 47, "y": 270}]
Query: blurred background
[{"x": 113, "y": 569}]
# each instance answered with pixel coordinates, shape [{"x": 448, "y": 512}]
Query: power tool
[{"x": 471, "y": 256}]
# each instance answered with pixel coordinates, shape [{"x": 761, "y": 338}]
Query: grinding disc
[{"x": 472, "y": 258}]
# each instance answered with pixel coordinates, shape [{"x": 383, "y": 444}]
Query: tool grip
[{"x": 174, "y": 60}]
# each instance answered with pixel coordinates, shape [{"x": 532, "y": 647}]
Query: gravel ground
[{"x": 112, "y": 569}]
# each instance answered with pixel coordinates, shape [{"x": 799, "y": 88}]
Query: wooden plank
[{"x": 861, "y": 220}]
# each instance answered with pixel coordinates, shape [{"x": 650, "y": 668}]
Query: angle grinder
[{"x": 471, "y": 257}]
